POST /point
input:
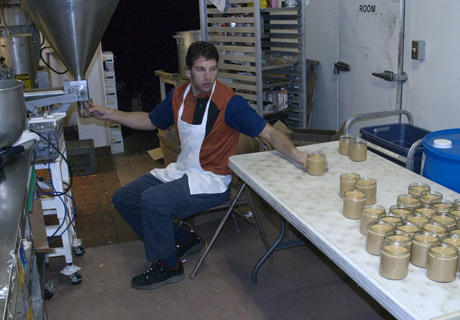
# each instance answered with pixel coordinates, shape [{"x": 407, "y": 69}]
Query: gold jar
[
  {"x": 390, "y": 217},
  {"x": 408, "y": 201},
  {"x": 455, "y": 211},
  {"x": 394, "y": 259},
  {"x": 375, "y": 235},
  {"x": 426, "y": 210},
  {"x": 452, "y": 239},
  {"x": 415, "y": 189},
  {"x": 316, "y": 163},
  {"x": 401, "y": 211},
  {"x": 344, "y": 144},
  {"x": 407, "y": 227},
  {"x": 427, "y": 197},
  {"x": 353, "y": 203},
  {"x": 398, "y": 235},
  {"x": 442, "y": 205},
  {"x": 455, "y": 229},
  {"x": 369, "y": 187},
  {"x": 421, "y": 242},
  {"x": 445, "y": 218},
  {"x": 417, "y": 218},
  {"x": 369, "y": 214},
  {"x": 442, "y": 263},
  {"x": 358, "y": 150},
  {"x": 347, "y": 182},
  {"x": 437, "y": 228}
]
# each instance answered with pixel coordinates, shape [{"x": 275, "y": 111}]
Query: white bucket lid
[{"x": 442, "y": 143}]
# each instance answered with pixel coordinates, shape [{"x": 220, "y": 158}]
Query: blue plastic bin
[{"x": 398, "y": 138}]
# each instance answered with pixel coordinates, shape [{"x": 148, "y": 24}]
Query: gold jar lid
[
  {"x": 349, "y": 176},
  {"x": 316, "y": 156},
  {"x": 355, "y": 195},
  {"x": 425, "y": 237},
  {"x": 366, "y": 182},
  {"x": 358, "y": 143}
]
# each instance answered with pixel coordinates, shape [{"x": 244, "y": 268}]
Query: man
[{"x": 209, "y": 118}]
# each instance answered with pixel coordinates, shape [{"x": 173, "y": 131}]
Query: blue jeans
[{"x": 150, "y": 206}]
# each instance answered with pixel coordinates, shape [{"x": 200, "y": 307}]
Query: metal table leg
[{"x": 277, "y": 245}]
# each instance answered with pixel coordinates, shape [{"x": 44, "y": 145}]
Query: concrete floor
[{"x": 297, "y": 283}]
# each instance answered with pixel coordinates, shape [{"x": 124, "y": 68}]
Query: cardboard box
[
  {"x": 117, "y": 147},
  {"x": 283, "y": 128},
  {"x": 115, "y": 130},
  {"x": 302, "y": 137},
  {"x": 110, "y": 93},
  {"x": 113, "y": 125},
  {"x": 169, "y": 146},
  {"x": 38, "y": 229},
  {"x": 110, "y": 84},
  {"x": 115, "y": 139},
  {"x": 169, "y": 142},
  {"x": 112, "y": 102},
  {"x": 156, "y": 154},
  {"x": 109, "y": 76},
  {"x": 169, "y": 156},
  {"x": 108, "y": 61}
]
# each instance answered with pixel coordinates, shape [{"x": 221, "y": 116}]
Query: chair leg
[
  {"x": 216, "y": 234},
  {"x": 259, "y": 224},
  {"x": 238, "y": 230}
]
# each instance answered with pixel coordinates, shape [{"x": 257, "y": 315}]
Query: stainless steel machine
[{"x": 74, "y": 29}]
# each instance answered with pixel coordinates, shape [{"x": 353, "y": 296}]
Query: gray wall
[{"x": 432, "y": 91}]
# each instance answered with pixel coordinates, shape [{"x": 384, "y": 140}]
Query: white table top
[{"x": 313, "y": 206}]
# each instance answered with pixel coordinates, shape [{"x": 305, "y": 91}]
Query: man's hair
[{"x": 200, "y": 49}]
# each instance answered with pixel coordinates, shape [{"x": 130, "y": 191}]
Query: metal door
[{"x": 370, "y": 40}]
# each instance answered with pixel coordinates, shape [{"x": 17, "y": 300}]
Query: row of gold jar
[
  {"x": 354, "y": 147},
  {"x": 422, "y": 216},
  {"x": 396, "y": 248},
  {"x": 426, "y": 204},
  {"x": 428, "y": 236},
  {"x": 420, "y": 204},
  {"x": 356, "y": 192}
]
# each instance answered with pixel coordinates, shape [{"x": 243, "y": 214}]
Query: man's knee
[
  {"x": 119, "y": 199},
  {"x": 151, "y": 201}
]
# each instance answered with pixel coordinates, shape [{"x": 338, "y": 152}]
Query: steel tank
[
  {"x": 21, "y": 51},
  {"x": 12, "y": 111},
  {"x": 184, "y": 39},
  {"x": 5, "y": 50}
]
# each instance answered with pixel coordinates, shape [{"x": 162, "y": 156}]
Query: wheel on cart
[
  {"x": 75, "y": 278},
  {"x": 79, "y": 250}
]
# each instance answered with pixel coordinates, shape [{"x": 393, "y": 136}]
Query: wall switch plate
[{"x": 418, "y": 50}]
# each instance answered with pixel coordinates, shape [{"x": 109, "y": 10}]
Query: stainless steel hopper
[{"x": 73, "y": 28}]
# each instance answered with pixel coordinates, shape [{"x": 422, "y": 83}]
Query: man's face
[{"x": 202, "y": 75}]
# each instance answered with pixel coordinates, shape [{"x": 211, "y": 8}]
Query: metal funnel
[{"x": 73, "y": 28}]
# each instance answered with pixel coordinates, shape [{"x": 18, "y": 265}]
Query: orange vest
[{"x": 222, "y": 141}]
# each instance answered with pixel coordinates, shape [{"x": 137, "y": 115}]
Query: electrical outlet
[{"x": 418, "y": 50}]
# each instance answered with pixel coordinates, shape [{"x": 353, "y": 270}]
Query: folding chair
[{"x": 240, "y": 195}]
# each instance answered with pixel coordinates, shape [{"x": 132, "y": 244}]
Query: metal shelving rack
[{"x": 245, "y": 34}]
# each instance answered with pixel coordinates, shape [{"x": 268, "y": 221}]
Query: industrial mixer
[{"x": 74, "y": 29}]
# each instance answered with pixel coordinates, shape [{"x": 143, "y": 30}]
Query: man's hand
[{"x": 97, "y": 111}]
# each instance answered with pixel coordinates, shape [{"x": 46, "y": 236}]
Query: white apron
[{"x": 188, "y": 162}]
